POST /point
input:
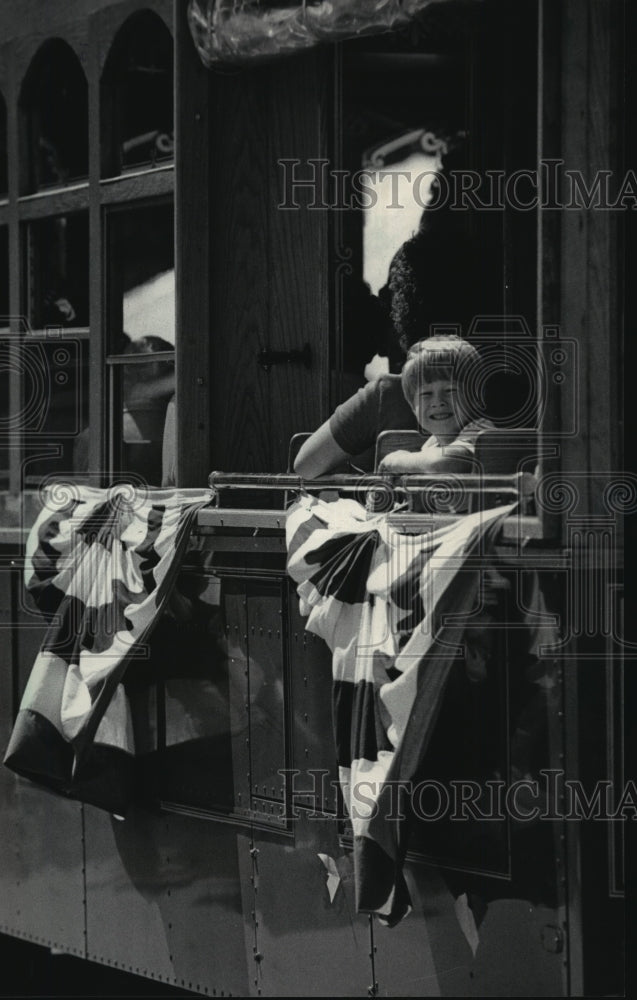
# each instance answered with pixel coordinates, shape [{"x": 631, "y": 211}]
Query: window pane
[
  {"x": 137, "y": 96},
  {"x": 53, "y": 416},
  {"x": 54, "y": 101},
  {"x": 141, "y": 433},
  {"x": 141, "y": 290},
  {"x": 403, "y": 110},
  {"x": 57, "y": 285}
]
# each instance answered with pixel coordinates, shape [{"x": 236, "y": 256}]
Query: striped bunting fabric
[
  {"x": 100, "y": 565},
  {"x": 390, "y": 607}
]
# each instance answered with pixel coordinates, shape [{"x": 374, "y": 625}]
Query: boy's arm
[
  {"x": 319, "y": 454},
  {"x": 453, "y": 458}
]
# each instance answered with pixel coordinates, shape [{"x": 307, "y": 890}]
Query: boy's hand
[
  {"x": 451, "y": 460},
  {"x": 401, "y": 461}
]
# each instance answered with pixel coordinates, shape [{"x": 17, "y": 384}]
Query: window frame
[{"x": 90, "y": 40}]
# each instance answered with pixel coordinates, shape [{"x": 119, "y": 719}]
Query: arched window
[
  {"x": 3, "y": 148},
  {"x": 54, "y": 105},
  {"x": 137, "y": 96}
]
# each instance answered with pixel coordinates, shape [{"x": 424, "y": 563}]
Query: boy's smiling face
[{"x": 436, "y": 408}]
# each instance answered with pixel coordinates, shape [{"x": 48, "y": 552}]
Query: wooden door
[{"x": 267, "y": 273}]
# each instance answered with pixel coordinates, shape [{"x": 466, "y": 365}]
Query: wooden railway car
[{"x": 193, "y": 269}]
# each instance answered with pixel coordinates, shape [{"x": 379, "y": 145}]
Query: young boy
[{"x": 441, "y": 382}]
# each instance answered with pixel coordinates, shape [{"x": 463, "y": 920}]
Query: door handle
[{"x": 266, "y": 358}]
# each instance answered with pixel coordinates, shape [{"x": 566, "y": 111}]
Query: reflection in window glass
[
  {"x": 141, "y": 307},
  {"x": 137, "y": 96},
  {"x": 55, "y": 104},
  {"x": 58, "y": 271},
  {"x": 385, "y": 228},
  {"x": 401, "y": 111},
  {"x": 145, "y": 391}
]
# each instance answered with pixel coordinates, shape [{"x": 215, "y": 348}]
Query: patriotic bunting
[
  {"x": 392, "y": 608},
  {"x": 100, "y": 564}
]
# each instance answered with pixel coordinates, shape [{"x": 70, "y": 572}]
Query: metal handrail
[
  {"x": 403, "y": 486},
  {"x": 415, "y": 481}
]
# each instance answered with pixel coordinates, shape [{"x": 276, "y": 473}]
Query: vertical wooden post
[
  {"x": 98, "y": 417},
  {"x": 192, "y": 257}
]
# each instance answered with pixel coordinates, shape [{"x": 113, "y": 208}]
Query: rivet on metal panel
[
  {"x": 307, "y": 752},
  {"x": 258, "y": 957},
  {"x": 305, "y": 716}
]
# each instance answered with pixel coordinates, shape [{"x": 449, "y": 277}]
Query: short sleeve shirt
[{"x": 378, "y": 406}]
